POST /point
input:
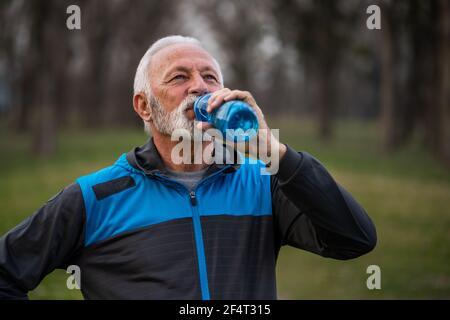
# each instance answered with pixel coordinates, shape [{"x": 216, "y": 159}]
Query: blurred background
[{"x": 372, "y": 105}]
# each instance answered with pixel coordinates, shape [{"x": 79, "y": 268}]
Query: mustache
[{"x": 188, "y": 102}]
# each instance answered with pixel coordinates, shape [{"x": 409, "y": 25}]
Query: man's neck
[{"x": 165, "y": 145}]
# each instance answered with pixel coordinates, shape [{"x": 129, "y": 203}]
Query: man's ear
[{"x": 140, "y": 105}]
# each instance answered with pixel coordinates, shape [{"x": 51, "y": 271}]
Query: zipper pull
[{"x": 193, "y": 198}]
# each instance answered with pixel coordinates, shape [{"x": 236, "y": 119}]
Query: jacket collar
[{"x": 146, "y": 158}]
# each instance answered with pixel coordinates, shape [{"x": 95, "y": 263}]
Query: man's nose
[{"x": 198, "y": 86}]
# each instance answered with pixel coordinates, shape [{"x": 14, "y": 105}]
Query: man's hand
[{"x": 266, "y": 140}]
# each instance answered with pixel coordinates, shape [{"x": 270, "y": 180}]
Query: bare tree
[
  {"x": 318, "y": 29},
  {"x": 414, "y": 73},
  {"x": 444, "y": 80}
]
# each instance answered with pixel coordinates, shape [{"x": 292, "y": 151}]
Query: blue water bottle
[{"x": 235, "y": 115}]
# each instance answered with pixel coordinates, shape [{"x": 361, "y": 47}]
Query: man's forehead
[{"x": 181, "y": 55}]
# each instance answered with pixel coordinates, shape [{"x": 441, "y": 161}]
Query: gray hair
[{"x": 142, "y": 79}]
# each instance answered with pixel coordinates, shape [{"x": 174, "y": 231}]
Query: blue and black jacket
[{"x": 136, "y": 234}]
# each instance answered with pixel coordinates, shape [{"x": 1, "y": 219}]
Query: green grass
[{"x": 407, "y": 194}]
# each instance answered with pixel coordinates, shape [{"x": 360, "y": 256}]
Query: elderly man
[{"x": 149, "y": 228}]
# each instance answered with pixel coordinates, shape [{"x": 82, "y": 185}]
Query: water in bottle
[{"x": 235, "y": 119}]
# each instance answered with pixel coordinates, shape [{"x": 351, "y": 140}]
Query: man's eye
[
  {"x": 179, "y": 77},
  {"x": 210, "y": 77}
]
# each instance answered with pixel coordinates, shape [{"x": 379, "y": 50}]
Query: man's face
[{"x": 178, "y": 74}]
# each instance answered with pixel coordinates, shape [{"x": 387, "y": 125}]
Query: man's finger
[
  {"x": 237, "y": 95},
  {"x": 216, "y": 99}
]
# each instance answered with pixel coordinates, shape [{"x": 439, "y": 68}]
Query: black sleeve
[
  {"x": 47, "y": 240},
  {"x": 314, "y": 213}
]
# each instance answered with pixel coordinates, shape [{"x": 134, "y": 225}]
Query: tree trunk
[
  {"x": 44, "y": 137},
  {"x": 324, "y": 102},
  {"x": 432, "y": 111},
  {"x": 387, "y": 116},
  {"x": 47, "y": 44},
  {"x": 444, "y": 80}
]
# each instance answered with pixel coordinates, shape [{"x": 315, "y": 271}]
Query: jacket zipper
[
  {"x": 193, "y": 198},
  {"x": 200, "y": 247},
  {"x": 198, "y": 234}
]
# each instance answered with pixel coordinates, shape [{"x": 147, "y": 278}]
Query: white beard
[{"x": 167, "y": 122}]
